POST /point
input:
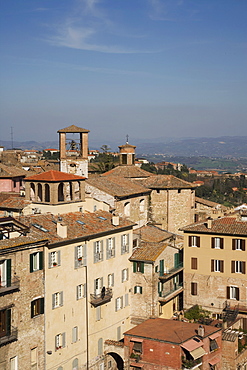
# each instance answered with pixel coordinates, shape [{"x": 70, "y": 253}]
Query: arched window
[
  {"x": 39, "y": 192},
  {"x": 60, "y": 192},
  {"x": 32, "y": 191},
  {"x": 47, "y": 193},
  {"x": 75, "y": 365},
  {"x": 127, "y": 209},
  {"x": 100, "y": 346},
  {"x": 142, "y": 205}
]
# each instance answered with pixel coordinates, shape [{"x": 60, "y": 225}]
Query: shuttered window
[
  {"x": 80, "y": 256},
  {"x": 193, "y": 288},
  {"x": 238, "y": 267},
  {"x": 193, "y": 263},
  {"x": 124, "y": 243},
  {"x": 194, "y": 241},
  {"x": 238, "y": 244},
  {"x": 110, "y": 248},
  {"x": 37, "y": 307},
  {"x": 36, "y": 261},
  {"x": 232, "y": 292},
  {"x": 217, "y": 266},
  {"x": 217, "y": 243},
  {"x": 54, "y": 259},
  {"x": 98, "y": 251}
]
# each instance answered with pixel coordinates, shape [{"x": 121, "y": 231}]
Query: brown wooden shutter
[
  {"x": 221, "y": 243},
  {"x": 233, "y": 266},
  {"x": 193, "y": 288},
  {"x": 233, "y": 244},
  {"x": 190, "y": 241},
  {"x": 212, "y": 242},
  {"x": 228, "y": 292},
  {"x": 194, "y": 263},
  {"x": 243, "y": 245},
  {"x": 221, "y": 266},
  {"x": 212, "y": 265},
  {"x": 237, "y": 294},
  {"x": 198, "y": 241},
  {"x": 243, "y": 267}
]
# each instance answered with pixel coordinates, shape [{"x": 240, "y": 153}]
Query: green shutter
[
  {"x": 142, "y": 267},
  {"x": 134, "y": 266},
  {"x": 31, "y": 262},
  {"x": 9, "y": 272},
  {"x": 32, "y": 309},
  {"x": 42, "y": 305},
  {"x": 40, "y": 260},
  {"x": 176, "y": 260},
  {"x": 161, "y": 266}
]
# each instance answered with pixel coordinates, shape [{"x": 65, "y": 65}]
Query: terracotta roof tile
[
  {"x": 117, "y": 186},
  {"x": 128, "y": 171},
  {"x": 14, "y": 203},
  {"x": 150, "y": 233},
  {"x": 147, "y": 252},
  {"x": 166, "y": 182},
  {"x": 21, "y": 241},
  {"x": 73, "y": 129},
  {"x": 54, "y": 176},
  {"x": 11, "y": 171},
  {"x": 224, "y": 225},
  {"x": 166, "y": 330}
]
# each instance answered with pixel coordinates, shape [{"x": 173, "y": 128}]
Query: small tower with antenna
[
  {"x": 127, "y": 153},
  {"x": 73, "y": 146}
]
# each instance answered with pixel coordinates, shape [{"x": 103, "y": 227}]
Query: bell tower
[
  {"x": 73, "y": 146},
  {"x": 127, "y": 154}
]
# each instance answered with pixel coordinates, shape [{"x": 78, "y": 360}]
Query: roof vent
[{"x": 209, "y": 223}]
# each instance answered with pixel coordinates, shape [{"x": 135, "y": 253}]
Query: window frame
[
  {"x": 36, "y": 258},
  {"x": 37, "y": 307},
  {"x": 124, "y": 243},
  {"x": 60, "y": 341},
  {"x": 54, "y": 259},
  {"x": 194, "y": 241},
  {"x": 98, "y": 251},
  {"x": 57, "y": 300}
]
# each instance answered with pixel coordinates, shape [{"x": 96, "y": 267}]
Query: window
[
  {"x": 75, "y": 365},
  {"x": 217, "y": 266},
  {"x": 127, "y": 209},
  {"x": 81, "y": 291},
  {"x": 34, "y": 358},
  {"x": 98, "y": 313},
  {"x": 137, "y": 289},
  {"x": 98, "y": 251},
  {"x": 193, "y": 288},
  {"x": 142, "y": 206},
  {"x": 213, "y": 345},
  {"x": 125, "y": 275},
  {"x": 54, "y": 259},
  {"x": 118, "y": 333},
  {"x": 138, "y": 266},
  {"x": 37, "y": 307},
  {"x": 110, "y": 248},
  {"x": 75, "y": 334},
  {"x": 193, "y": 263},
  {"x": 194, "y": 241},
  {"x": 57, "y": 300},
  {"x": 80, "y": 256},
  {"x": 126, "y": 296},
  {"x": 217, "y": 243},
  {"x": 5, "y": 322},
  {"x": 14, "y": 363},
  {"x": 100, "y": 346},
  {"x": 5, "y": 273},
  {"x": 36, "y": 261},
  {"x": 59, "y": 341},
  {"x": 110, "y": 280},
  {"x": 232, "y": 292},
  {"x": 119, "y": 303},
  {"x": 124, "y": 243},
  {"x": 238, "y": 267},
  {"x": 98, "y": 285},
  {"x": 137, "y": 347},
  {"x": 238, "y": 244}
]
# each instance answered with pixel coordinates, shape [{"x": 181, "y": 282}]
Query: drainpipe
[
  {"x": 153, "y": 287},
  {"x": 87, "y": 365}
]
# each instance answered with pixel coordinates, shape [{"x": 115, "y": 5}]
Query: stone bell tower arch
[{"x": 73, "y": 146}]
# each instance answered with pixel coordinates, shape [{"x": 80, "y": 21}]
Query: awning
[
  {"x": 192, "y": 344},
  {"x": 135, "y": 364},
  {"x": 136, "y": 340},
  {"x": 197, "y": 353},
  {"x": 214, "y": 361},
  {"x": 214, "y": 335}
]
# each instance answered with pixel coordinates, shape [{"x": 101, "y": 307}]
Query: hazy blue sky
[{"x": 147, "y": 68}]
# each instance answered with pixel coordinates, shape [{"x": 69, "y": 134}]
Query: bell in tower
[{"x": 73, "y": 146}]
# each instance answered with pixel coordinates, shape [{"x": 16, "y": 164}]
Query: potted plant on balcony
[
  {"x": 54, "y": 263},
  {"x": 79, "y": 259}
]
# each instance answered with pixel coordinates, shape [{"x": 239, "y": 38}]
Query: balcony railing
[
  {"x": 169, "y": 273},
  {"x": 99, "y": 299},
  {"x": 10, "y": 286},
  {"x": 166, "y": 294},
  {"x": 11, "y": 336}
]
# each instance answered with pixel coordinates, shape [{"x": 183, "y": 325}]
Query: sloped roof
[
  {"x": 74, "y": 129},
  {"x": 209, "y": 203},
  {"x": 166, "y": 182},
  {"x": 147, "y": 252},
  {"x": 224, "y": 225},
  {"x": 127, "y": 145},
  {"x": 89, "y": 224},
  {"x": 128, "y": 171},
  {"x": 168, "y": 330},
  {"x": 117, "y": 186},
  {"x": 14, "y": 203},
  {"x": 11, "y": 171},
  {"x": 54, "y": 176},
  {"x": 150, "y": 233},
  {"x": 20, "y": 241}
]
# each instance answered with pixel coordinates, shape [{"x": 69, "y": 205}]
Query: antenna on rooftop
[
  {"x": 127, "y": 139},
  {"x": 11, "y": 134}
]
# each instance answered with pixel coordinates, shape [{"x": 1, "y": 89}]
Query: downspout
[
  {"x": 44, "y": 282},
  {"x": 153, "y": 287},
  {"x": 87, "y": 365}
]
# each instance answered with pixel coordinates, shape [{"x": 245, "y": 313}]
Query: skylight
[
  {"x": 40, "y": 228},
  {"x": 80, "y": 222},
  {"x": 102, "y": 218}
]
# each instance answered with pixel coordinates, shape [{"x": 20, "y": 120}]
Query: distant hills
[{"x": 225, "y": 146}]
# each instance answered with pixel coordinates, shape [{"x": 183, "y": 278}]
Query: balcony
[
  {"x": 99, "y": 299},
  {"x": 10, "y": 286},
  {"x": 165, "y": 296},
  {"x": 170, "y": 273},
  {"x": 11, "y": 336}
]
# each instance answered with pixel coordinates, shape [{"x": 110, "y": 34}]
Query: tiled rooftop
[
  {"x": 147, "y": 252},
  {"x": 224, "y": 225},
  {"x": 73, "y": 129},
  {"x": 54, "y": 176},
  {"x": 117, "y": 186},
  {"x": 20, "y": 241},
  {"x": 166, "y": 330},
  {"x": 166, "y": 182},
  {"x": 209, "y": 203},
  {"x": 89, "y": 224},
  {"x": 150, "y": 233},
  {"x": 14, "y": 203},
  {"x": 11, "y": 171},
  {"x": 128, "y": 171}
]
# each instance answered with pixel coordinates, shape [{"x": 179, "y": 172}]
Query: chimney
[
  {"x": 209, "y": 223},
  {"x": 61, "y": 230},
  {"x": 115, "y": 220},
  {"x": 201, "y": 331}
]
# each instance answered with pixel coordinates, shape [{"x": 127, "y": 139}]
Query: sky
[{"x": 151, "y": 69}]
